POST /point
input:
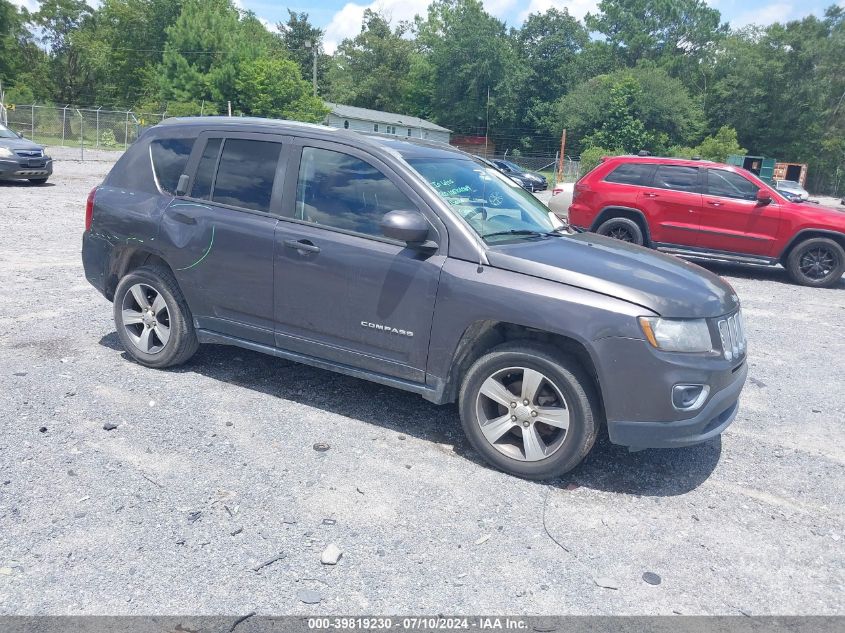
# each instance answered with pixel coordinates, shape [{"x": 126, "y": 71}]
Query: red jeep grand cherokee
[{"x": 709, "y": 210}]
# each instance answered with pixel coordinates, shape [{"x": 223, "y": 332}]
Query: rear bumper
[
  {"x": 714, "y": 418},
  {"x": 96, "y": 253},
  {"x": 22, "y": 168}
]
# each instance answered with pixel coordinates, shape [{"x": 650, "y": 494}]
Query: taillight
[
  {"x": 576, "y": 191},
  {"x": 89, "y": 209}
]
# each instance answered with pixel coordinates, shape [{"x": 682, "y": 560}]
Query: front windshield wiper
[{"x": 518, "y": 232}]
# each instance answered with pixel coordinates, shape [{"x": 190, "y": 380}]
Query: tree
[
  {"x": 719, "y": 146},
  {"x": 119, "y": 47},
  {"x": 21, "y": 61},
  {"x": 631, "y": 109},
  {"x": 372, "y": 70},
  {"x": 470, "y": 56},
  {"x": 59, "y": 20},
  {"x": 620, "y": 125},
  {"x": 654, "y": 29},
  {"x": 274, "y": 88},
  {"x": 591, "y": 157},
  {"x": 203, "y": 53},
  {"x": 550, "y": 43},
  {"x": 295, "y": 33}
]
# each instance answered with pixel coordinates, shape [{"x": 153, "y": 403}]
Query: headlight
[
  {"x": 5, "y": 152},
  {"x": 677, "y": 335}
]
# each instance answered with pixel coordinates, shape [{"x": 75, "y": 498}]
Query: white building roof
[{"x": 377, "y": 116}]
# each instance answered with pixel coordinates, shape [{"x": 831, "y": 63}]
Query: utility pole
[
  {"x": 487, "y": 122},
  {"x": 315, "y": 48},
  {"x": 561, "y": 157}
]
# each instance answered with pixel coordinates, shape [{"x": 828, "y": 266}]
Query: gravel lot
[{"x": 211, "y": 472}]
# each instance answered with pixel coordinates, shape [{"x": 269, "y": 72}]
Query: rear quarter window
[
  {"x": 133, "y": 171},
  {"x": 170, "y": 156},
  {"x": 631, "y": 174}
]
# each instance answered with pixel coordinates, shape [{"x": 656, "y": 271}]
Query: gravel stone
[
  {"x": 308, "y": 596},
  {"x": 331, "y": 555}
]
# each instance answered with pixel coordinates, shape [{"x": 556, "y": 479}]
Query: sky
[{"x": 341, "y": 18}]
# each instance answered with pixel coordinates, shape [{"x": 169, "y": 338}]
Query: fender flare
[{"x": 602, "y": 217}]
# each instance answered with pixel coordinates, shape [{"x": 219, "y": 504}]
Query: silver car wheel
[
  {"x": 145, "y": 318},
  {"x": 522, "y": 414}
]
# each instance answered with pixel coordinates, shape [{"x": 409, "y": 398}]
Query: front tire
[
  {"x": 622, "y": 229},
  {"x": 817, "y": 262},
  {"x": 529, "y": 410},
  {"x": 152, "y": 318}
]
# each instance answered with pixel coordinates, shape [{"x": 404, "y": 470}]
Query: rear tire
[
  {"x": 817, "y": 262},
  {"x": 37, "y": 181},
  {"x": 152, "y": 318},
  {"x": 543, "y": 439},
  {"x": 622, "y": 229}
]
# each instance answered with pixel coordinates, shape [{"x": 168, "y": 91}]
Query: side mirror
[
  {"x": 406, "y": 226},
  {"x": 763, "y": 196},
  {"x": 182, "y": 185}
]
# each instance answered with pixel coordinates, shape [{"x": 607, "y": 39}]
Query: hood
[
  {"x": 19, "y": 143},
  {"x": 825, "y": 217},
  {"x": 661, "y": 283}
]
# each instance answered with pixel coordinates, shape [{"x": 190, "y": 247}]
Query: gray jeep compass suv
[{"x": 413, "y": 265}]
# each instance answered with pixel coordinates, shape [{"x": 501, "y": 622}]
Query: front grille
[
  {"x": 732, "y": 334},
  {"x": 29, "y": 153}
]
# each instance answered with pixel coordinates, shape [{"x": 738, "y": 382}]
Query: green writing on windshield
[{"x": 448, "y": 190}]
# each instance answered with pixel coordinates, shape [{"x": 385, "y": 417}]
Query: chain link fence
[
  {"x": 85, "y": 128},
  {"x": 546, "y": 164}
]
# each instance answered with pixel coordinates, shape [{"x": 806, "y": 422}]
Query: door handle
[
  {"x": 184, "y": 219},
  {"x": 649, "y": 194},
  {"x": 714, "y": 204},
  {"x": 303, "y": 246}
]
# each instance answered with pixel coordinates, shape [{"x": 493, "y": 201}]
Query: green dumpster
[{"x": 762, "y": 167}]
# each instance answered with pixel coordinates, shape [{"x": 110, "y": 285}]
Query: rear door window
[
  {"x": 170, "y": 156},
  {"x": 727, "y": 184},
  {"x": 246, "y": 173},
  {"x": 206, "y": 170},
  {"x": 677, "y": 178},
  {"x": 237, "y": 172},
  {"x": 631, "y": 174}
]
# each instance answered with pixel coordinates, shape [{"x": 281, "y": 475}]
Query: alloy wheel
[
  {"x": 621, "y": 233},
  {"x": 522, "y": 414},
  {"x": 817, "y": 263},
  {"x": 145, "y": 318}
]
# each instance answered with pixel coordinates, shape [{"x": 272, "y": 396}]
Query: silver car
[
  {"x": 792, "y": 190},
  {"x": 22, "y": 159}
]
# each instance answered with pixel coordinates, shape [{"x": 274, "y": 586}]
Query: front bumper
[
  {"x": 20, "y": 168},
  {"x": 714, "y": 418},
  {"x": 636, "y": 384}
]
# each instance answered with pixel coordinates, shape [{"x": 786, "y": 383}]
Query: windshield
[
  {"x": 6, "y": 132},
  {"x": 496, "y": 207}
]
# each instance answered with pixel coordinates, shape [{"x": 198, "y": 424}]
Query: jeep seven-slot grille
[{"x": 732, "y": 333}]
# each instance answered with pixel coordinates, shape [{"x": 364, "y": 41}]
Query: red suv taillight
[
  {"x": 89, "y": 209},
  {"x": 577, "y": 190}
]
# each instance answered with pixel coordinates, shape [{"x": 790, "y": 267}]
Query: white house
[{"x": 366, "y": 120}]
